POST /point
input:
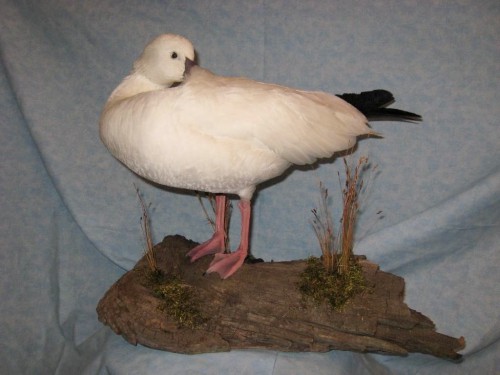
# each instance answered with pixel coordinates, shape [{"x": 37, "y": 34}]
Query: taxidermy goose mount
[{"x": 177, "y": 124}]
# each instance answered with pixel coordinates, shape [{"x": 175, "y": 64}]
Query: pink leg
[
  {"x": 216, "y": 243},
  {"x": 227, "y": 264}
]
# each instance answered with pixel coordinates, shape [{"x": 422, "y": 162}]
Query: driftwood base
[{"x": 261, "y": 307}]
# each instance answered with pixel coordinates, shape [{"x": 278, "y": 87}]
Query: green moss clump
[
  {"x": 320, "y": 285},
  {"x": 179, "y": 300}
]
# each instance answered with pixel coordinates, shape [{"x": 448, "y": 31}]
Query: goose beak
[{"x": 188, "y": 65}]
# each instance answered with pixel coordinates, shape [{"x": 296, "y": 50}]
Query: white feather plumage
[{"x": 219, "y": 134}]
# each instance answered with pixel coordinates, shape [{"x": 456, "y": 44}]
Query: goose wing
[{"x": 299, "y": 126}]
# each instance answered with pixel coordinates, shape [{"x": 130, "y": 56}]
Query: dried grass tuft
[{"x": 146, "y": 232}]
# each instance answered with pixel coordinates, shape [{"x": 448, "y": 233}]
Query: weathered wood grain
[{"x": 261, "y": 307}]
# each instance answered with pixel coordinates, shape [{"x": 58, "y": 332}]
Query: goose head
[{"x": 166, "y": 60}]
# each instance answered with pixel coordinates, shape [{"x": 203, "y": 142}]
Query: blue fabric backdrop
[{"x": 70, "y": 217}]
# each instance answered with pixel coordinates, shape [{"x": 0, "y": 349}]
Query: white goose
[{"x": 224, "y": 135}]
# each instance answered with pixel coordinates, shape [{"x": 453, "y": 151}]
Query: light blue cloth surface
[{"x": 70, "y": 216}]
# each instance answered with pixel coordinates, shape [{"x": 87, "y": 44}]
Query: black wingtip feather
[
  {"x": 392, "y": 114},
  {"x": 372, "y": 104}
]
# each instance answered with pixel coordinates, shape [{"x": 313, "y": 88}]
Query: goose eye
[{"x": 173, "y": 55}]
